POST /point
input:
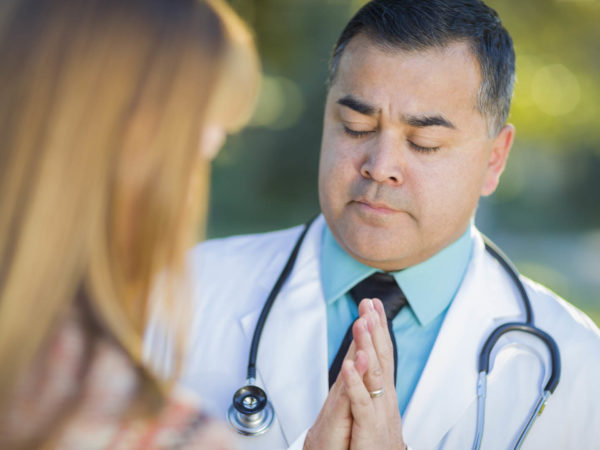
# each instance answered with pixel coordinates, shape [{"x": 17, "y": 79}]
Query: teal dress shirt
[{"x": 429, "y": 288}]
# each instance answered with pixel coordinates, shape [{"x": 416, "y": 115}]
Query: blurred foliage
[
  {"x": 553, "y": 177},
  {"x": 266, "y": 177}
]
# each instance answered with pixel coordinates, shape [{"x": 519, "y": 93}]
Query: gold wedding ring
[{"x": 376, "y": 393}]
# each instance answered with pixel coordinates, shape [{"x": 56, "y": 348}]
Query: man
[{"x": 414, "y": 133}]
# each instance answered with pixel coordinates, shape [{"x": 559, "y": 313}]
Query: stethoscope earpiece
[{"x": 251, "y": 414}]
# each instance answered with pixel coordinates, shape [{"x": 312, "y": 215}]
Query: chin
[
  {"x": 376, "y": 244},
  {"x": 374, "y": 251}
]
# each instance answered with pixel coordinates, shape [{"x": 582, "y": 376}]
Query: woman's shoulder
[
  {"x": 180, "y": 424},
  {"x": 86, "y": 392}
]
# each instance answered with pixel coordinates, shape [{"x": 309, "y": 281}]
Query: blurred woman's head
[{"x": 109, "y": 113}]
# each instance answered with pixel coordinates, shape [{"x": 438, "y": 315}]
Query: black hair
[{"x": 413, "y": 25}]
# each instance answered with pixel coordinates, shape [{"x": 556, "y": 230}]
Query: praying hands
[{"x": 361, "y": 410}]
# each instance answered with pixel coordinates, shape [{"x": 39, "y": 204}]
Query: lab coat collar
[
  {"x": 295, "y": 381},
  {"x": 484, "y": 300}
]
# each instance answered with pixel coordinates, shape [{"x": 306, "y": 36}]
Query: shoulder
[
  {"x": 578, "y": 341},
  {"x": 556, "y": 314},
  {"x": 253, "y": 256},
  {"x": 550, "y": 311},
  {"x": 240, "y": 267},
  {"x": 182, "y": 423},
  {"x": 574, "y": 332},
  {"x": 249, "y": 245}
]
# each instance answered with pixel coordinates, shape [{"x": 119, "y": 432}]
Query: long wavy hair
[{"x": 102, "y": 182}]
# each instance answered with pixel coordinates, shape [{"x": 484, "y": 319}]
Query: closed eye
[
  {"x": 422, "y": 149},
  {"x": 356, "y": 134}
]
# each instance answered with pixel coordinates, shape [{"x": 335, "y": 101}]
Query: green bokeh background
[{"x": 546, "y": 213}]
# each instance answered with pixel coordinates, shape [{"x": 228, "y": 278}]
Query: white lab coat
[{"x": 235, "y": 275}]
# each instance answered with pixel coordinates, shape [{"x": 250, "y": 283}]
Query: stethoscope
[{"x": 251, "y": 413}]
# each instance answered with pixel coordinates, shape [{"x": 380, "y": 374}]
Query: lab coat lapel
[
  {"x": 292, "y": 355},
  {"x": 447, "y": 386}
]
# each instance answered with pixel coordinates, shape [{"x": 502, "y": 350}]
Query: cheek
[
  {"x": 337, "y": 170},
  {"x": 447, "y": 193}
]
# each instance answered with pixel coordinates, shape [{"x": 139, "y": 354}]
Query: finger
[
  {"x": 332, "y": 429},
  {"x": 373, "y": 378},
  {"x": 361, "y": 363},
  {"x": 372, "y": 311},
  {"x": 338, "y": 386},
  {"x": 380, "y": 335},
  {"x": 361, "y": 404},
  {"x": 337, "y": 403},
  {"x": 371, "y": 421},
  {"x": 378, "y": 306},
  {"x": 351, "y": 353}
]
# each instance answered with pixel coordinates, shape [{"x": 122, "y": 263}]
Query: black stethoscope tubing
[
  {"x": 526, "y": 327},
  {"x": 283, "y": 276},
  {"x": 251, "y": 413},
  {"x": 254, "y": 417},
  {"x": 514, "y": 274}
]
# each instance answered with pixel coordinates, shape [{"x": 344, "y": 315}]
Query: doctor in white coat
[{"x": 414, "y": 133}]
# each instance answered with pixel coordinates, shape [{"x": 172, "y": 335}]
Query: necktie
[{"x": 384, "y": 287}]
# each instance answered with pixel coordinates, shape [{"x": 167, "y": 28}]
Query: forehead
[{"x": 441, "y": 80}]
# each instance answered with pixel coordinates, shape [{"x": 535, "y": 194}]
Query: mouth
[{"x": 375, "y": 207}]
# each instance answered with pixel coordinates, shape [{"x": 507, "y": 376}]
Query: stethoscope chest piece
[{"x": 250, "y": 414}]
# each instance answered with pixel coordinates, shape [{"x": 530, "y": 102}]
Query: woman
[{"x": 109, "y": 113}]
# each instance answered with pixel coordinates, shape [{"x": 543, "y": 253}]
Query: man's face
[{"x": 405, "y": 152}]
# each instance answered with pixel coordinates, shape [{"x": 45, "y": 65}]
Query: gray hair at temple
[{"x": 414, "y": 25}]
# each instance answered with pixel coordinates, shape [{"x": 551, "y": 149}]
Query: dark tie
[{"x": 384, "y": 287}]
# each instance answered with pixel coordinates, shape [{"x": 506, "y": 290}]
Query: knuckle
[
  {"x": 385, "y": 357},
  {"x": 363, "y": 402},
  {"x": 376, "y": 372}
]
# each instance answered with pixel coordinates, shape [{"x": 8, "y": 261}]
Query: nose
[{"x": 383, "y": 162}]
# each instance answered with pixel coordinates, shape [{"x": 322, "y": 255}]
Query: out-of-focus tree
[{"x": 553, "y": 176}]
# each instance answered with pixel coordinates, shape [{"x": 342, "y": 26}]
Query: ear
[{"x": 497, "y": 159}]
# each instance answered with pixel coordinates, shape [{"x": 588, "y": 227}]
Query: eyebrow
[
  {"x": 428, "y": 121},
  {"x": 414, "y": 121},
  {"x": 358, "y": 105}
]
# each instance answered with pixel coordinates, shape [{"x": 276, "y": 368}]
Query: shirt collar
[{"x": 429, "y": 286}]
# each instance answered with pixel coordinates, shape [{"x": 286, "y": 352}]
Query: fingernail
[{"x": 371, "y": 305}]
